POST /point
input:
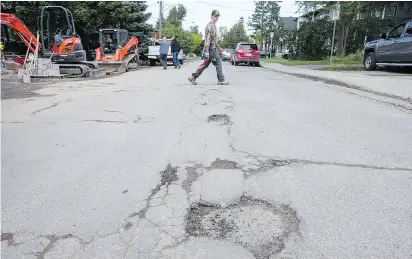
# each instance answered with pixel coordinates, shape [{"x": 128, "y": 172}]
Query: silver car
[{"x": 227, "y": 54}]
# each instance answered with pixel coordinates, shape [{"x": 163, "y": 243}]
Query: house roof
[{"x": 290, "y": 22}]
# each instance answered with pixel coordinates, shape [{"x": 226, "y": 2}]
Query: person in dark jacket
[{"x": 175, "y": 49}]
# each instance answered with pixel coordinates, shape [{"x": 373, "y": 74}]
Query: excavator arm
[
  {"x": 21, "y": 30},
  {"x": 122, "y": 52}
]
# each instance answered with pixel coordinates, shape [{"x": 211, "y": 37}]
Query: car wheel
[
  {"x": 152, "y": 62},
  {"x": 181, "y": 61},
  {"x": 370, "y": 63},
  {"x": 257, "y": 64}
]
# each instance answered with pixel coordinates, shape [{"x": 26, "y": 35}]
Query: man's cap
[{"x": 215, "y": 13}]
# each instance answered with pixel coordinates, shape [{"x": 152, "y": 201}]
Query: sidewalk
[{"x": 393, "y": 85}]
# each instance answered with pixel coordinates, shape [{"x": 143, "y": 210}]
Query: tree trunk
[
  {"x": 342, "y": 39},
  {"x": 345, "y": 40}
]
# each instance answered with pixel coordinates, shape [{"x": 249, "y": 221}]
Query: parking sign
[{"x": 336, "y": 12}]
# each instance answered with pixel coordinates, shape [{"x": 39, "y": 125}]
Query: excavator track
[{"x": 83, "y": 69}]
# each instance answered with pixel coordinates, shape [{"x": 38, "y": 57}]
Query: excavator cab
[
  {"x": 111, "y": 40},
  {"x": 58, "y": 35}
]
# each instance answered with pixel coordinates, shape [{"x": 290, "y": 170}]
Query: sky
[{"x": 198, "y": 12}]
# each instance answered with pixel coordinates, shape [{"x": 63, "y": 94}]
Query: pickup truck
[
  {"x": 154, "y": 54},
  {"x": 392, "y": 49}
]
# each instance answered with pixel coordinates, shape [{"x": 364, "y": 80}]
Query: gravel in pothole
[{"x": 258, "y": 226}]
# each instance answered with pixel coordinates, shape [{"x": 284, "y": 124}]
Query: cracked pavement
[{"x": 145, "y": 165}]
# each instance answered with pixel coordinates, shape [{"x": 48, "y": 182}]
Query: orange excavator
[
  {"x": 58, "y": 40},
  {"x": 117, "y": 51}
]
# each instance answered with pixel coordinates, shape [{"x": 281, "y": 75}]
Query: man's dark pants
[
  {"x": 163, "y": 60},
  {"x": 214, "y": 58}
]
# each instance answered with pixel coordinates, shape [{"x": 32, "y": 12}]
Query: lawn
[
  {"x": 343, "y": 67},
  {"x": 349, "y": 59}
]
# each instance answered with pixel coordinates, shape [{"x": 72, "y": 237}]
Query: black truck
[{"x": 392, "y": 49}]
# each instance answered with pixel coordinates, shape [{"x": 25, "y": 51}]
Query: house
[{"x": 290, "y": 24}]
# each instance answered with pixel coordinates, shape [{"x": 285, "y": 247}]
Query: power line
[
  {"x": 226, "y": 6},
  {"x": 248, "y": 10}
]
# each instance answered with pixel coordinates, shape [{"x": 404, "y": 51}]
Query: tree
[
  {"x": 265, "y": 19},
  {"x": 176, "y": 15},
  {"x": 198, "y": 43},
  {"x": 194, "y": 29},
  {"x": 259, "y": 20},
  {"x": 313, "y": 41},
  {"x": 350, "y": 11},
  {"x": 259, "y": 38},
  {"x": 235, "y": 35}
]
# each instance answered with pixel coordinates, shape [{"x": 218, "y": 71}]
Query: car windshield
[
  {"x": 228, "y": 50},
  {"x": 248, "y": 47}
]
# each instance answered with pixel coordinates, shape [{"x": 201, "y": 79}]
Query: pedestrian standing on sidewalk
[
  {"x": 164, "y": 50},
  {"x": 175, "y": 49},
  {"x": 212, "y": 52}
]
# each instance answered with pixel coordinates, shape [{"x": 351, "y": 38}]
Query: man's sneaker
[
  {"x": 192, "y": 80},
  {"x": 223, "y": 83},
  {"x": 164, "y": 68}
]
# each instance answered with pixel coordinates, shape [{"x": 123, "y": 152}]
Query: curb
[{"x": 341, "y": 83}]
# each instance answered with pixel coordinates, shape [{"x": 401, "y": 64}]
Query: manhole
[{"x": 258, "y": 226}]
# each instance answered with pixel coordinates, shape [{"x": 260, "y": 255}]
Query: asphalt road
[{"x": 145, "y": 165}]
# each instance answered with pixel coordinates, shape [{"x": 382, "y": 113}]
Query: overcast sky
[{"x": 198, "y": 12}]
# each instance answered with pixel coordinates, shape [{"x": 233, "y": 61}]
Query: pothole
[
  {"x": 258, "y": 226},
  {"x": 224, "y": 164},
  {"x": 222, "y": 119}
]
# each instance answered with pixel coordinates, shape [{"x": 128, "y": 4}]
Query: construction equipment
[
  {"x": 58, "y": 40},
  {"x": 117, "y": 51}
]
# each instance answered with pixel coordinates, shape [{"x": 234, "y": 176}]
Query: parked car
[
  {"x": 227, "y": 54},
  {"x": 247, "y": 53},
  {"x": 264, "y": 54},
  {"x": 392, "y": 49},
  {"x": 154, "y": 53}
]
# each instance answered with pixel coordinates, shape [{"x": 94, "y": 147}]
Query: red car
[{"x": 247, "y": 53}]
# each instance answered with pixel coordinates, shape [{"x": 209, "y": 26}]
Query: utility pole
[
  {"x": 160, "y": 18},
  {"x": 335, "y": 16}
]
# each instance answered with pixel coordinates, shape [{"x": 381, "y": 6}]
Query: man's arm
[{"x": 208, "y": 39}]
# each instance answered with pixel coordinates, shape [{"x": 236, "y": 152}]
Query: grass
[
  {"x": 346, "y": 60},
  {"x": 343, "y": 67}
]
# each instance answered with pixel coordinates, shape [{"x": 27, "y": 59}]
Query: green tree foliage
[
  {"x": 265, "y": 19},
  {"x": 259, "y": 18},
  {"x": 235, "y": 35},
  {"x": 90, "y": 17},
  {"x": 198, "y": 43},
  {"x": 349, "y": 23},
  {"x": 194, "y": 29},
  {"x": 313, "y": 41},
  {"x": 176, "y": 15},
  {"x": 190, "y": 40}
]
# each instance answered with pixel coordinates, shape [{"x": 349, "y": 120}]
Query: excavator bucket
[{"x": 130, "y": 62}]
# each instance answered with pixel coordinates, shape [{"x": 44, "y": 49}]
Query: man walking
[
  {"x": 164, "y": 50},
  {"x": 212, "y": 52},
  {"x": 175, "y": 49}
]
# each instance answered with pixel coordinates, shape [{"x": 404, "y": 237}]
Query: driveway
[{"x": 146, "y": 165}]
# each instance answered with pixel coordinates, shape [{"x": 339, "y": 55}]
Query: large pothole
[
  {"x": 221, "y": 119},
  {"x": 260, "y": 227}
]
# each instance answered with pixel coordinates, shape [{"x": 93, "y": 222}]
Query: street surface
[{"x": 146, "y": 165}]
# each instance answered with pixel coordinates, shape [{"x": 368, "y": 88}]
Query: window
[
  {"x": 408, "y": 32},
  {"x": 397, "y": 32},
  {"x": 248, "y": 47}
]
